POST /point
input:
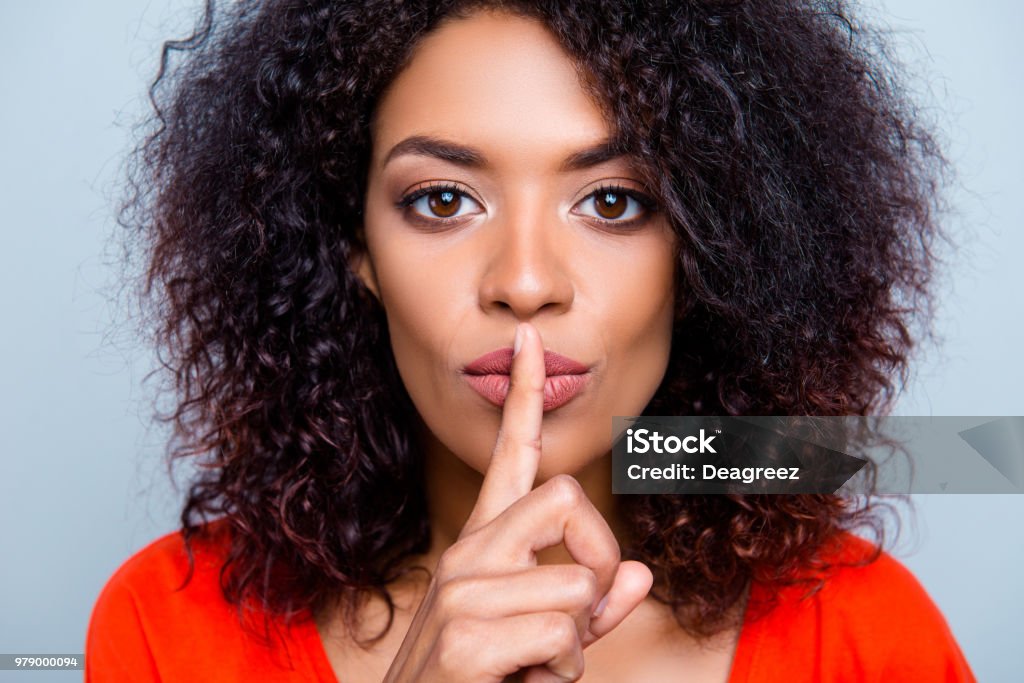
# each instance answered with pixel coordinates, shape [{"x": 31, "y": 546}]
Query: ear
[{"x": 360, "y": 264}]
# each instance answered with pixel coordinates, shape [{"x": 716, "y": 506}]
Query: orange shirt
[{"x": 872, "y": 623}]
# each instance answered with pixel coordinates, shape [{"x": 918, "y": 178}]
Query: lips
[
  {"x": 500, "y": 363},
  {"x": 488, "y": 375}
]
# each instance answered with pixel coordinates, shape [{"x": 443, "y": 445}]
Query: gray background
[{"x": 82, "y": 485}]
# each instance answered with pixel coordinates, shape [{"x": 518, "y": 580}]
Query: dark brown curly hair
[{"x": 780, "y": 143}]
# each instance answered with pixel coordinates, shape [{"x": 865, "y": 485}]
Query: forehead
[{"x": 493, "y": 81}]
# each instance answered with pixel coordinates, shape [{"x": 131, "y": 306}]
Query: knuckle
[
  {"x": 453, "y": 644},
  {"x": 456, "y": 559},
  {"x": 444, "y": 566},
  {"x": 561, "y": 630},
  {"x": 571, "y": 671},
  {"x": 508, "y": 439},
  {"x": 581, "y": 584},
  {"x": 452, "y": 595},
  {"x": 566, "y": 491}
]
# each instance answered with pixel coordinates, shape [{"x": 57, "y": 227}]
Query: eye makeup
[{"x": 445, "y": 203}]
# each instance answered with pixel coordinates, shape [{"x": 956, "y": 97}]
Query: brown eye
[
  {"x": 610, "y": 205},
  {"x": 444, "y": 204},
  {"x": 439, "y": 204},
  {"x": 614, "y": 204}
]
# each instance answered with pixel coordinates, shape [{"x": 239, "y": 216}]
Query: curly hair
[{"x": 781, "y": 144}]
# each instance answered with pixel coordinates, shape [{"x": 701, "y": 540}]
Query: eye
[
  {"x": 440, "y": 203},
  {"x": 615, "y": 205}
]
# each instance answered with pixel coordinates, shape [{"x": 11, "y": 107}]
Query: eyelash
[
  {"x": 650, "y": 206},
  {"x": 648, "y": 203}
]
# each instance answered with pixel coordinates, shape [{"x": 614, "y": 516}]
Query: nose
[{"x": 527, "y": 272}]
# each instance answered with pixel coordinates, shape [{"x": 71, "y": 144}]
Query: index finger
[{"x": 513, "y": 466}]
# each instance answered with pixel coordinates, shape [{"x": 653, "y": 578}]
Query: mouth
[{"x": 488, "y": 375}]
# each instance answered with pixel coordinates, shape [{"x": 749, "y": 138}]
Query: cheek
[
  {"x": 422, "y": 297},
  {"x": 643, "y": 303},
  {"x": 417, "y": 278},
  {"x": 425, "y": 288},
  {"x": 639, "y": 335}
]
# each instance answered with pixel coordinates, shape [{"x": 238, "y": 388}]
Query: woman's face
[{"x": 491, "y": 200}]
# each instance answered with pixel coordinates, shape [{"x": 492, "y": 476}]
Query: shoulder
[
  {"x": 869, "y": 588},
  {"x": 871, "y": 615},
  {"x": 864, "y": 576},
  {"x": 147, "y": 601},
  {"x": 159, "y": 579},
  {"x": 158, "y": 618}
]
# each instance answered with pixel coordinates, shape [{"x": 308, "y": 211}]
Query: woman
[{"x": 410, "y": 258}]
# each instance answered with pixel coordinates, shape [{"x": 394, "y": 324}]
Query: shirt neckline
[
  {"x": 739, "y": 671},
  {"x": 316, "y": 654}
]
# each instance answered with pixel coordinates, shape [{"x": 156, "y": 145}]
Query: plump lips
[{"x": 488, "y": 375}]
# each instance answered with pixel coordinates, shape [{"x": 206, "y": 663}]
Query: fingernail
[
  {"x": 519, "y": 340},
  {"x": 600, "y": 607}
]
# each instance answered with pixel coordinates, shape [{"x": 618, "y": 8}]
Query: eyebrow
[{"x": 461, "y": 155}]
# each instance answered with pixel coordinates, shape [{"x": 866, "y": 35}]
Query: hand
[{"x": 490, "y": 612}]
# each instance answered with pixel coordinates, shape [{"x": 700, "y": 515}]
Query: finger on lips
[
  {"x": 510, "y": 522},
  {"x": 513, "y": 467}
]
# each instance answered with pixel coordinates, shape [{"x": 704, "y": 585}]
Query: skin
[
  {"x": 453, "y": 293},
  {"x": 525, "y": 535}
]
